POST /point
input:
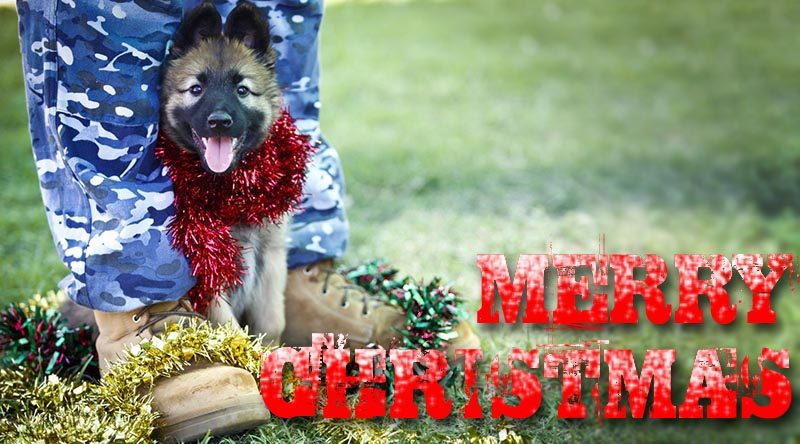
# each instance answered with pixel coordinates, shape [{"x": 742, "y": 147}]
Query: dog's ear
[
  {"x": 246, "y": 24},
  {"x": 201, "y": 23}
]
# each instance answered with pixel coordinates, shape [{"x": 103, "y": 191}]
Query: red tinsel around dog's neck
[{"x": 266, "y": 185}]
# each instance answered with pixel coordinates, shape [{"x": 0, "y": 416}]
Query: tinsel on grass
[
  {"x": 37, "y": 409},
  {"x": 44, "y": 399},
  {"x": 432, "y": 309},
  {"x": 35, "y": 336},
  {"x": 48, "y": 409}
]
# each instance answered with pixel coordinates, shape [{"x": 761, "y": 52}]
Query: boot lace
[
  {"x": 368, "y": 301},
  {"x": 184, "y": 308}
]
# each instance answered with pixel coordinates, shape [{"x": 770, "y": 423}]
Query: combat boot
[
  {"x": 321, "y": 300},
  {"x": 204, "y": 397}
]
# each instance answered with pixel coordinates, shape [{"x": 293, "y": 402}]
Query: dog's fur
[{"x": 204, "y": 74}]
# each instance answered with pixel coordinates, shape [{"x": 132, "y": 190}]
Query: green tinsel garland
[
  {"x": 432, "y": 310},
  {"x": 34, "y": 335}
]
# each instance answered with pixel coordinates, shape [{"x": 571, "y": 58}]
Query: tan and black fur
[
  {"x": 218, "y": 63},
  {"x": 228, "y": 72}
]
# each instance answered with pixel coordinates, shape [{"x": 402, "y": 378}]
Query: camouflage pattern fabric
[{"x": 92, "y": 73}]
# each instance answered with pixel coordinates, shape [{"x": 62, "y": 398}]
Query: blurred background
[{"x": 522, "y": 126}]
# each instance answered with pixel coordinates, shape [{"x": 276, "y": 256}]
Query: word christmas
[
  {"x": 325, "y": 376},
  {"x": 529, "y": 280},
  {"x": 518, "y": 392}
]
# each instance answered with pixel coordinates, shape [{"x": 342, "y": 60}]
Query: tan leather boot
[
  {"x": 215, "y": 397},
  {"x": 320, "y": 300}
]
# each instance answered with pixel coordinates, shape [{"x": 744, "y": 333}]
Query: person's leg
[{"x": 92, "y": 90}]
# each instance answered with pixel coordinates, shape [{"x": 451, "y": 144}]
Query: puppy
[{"x": 219, "y": 98}]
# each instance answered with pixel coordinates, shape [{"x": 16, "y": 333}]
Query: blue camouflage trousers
[{"x": 91, "y": 70}]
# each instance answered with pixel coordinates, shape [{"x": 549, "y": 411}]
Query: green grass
[{"x": 514, "y": 126}]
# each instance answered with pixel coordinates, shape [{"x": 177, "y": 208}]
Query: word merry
[{"x": 529, "y": 278}]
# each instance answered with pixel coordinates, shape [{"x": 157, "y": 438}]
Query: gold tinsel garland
[
  {"x": 118, "y": 408},
  {"x": 35, "y": 409}
]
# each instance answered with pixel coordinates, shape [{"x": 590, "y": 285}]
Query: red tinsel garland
[{"x": 267, "y": 183}]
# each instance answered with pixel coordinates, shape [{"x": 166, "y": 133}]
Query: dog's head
[{"x": 220, "y": 96}]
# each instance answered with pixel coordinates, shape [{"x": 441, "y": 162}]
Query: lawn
[{"x": 516, "y": 126}]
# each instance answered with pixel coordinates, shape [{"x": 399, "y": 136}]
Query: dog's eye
[
  {"x": 196, "y": 90},
  {"x": 242, "y": 91}
]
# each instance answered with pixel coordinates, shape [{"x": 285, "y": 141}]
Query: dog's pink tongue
[{"x": 219, "y": 153}]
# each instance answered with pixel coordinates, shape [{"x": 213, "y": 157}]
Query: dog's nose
[{"x": 220, "y": 119}]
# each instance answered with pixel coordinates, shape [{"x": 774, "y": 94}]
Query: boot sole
[{"x": 247, "y": 414}]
